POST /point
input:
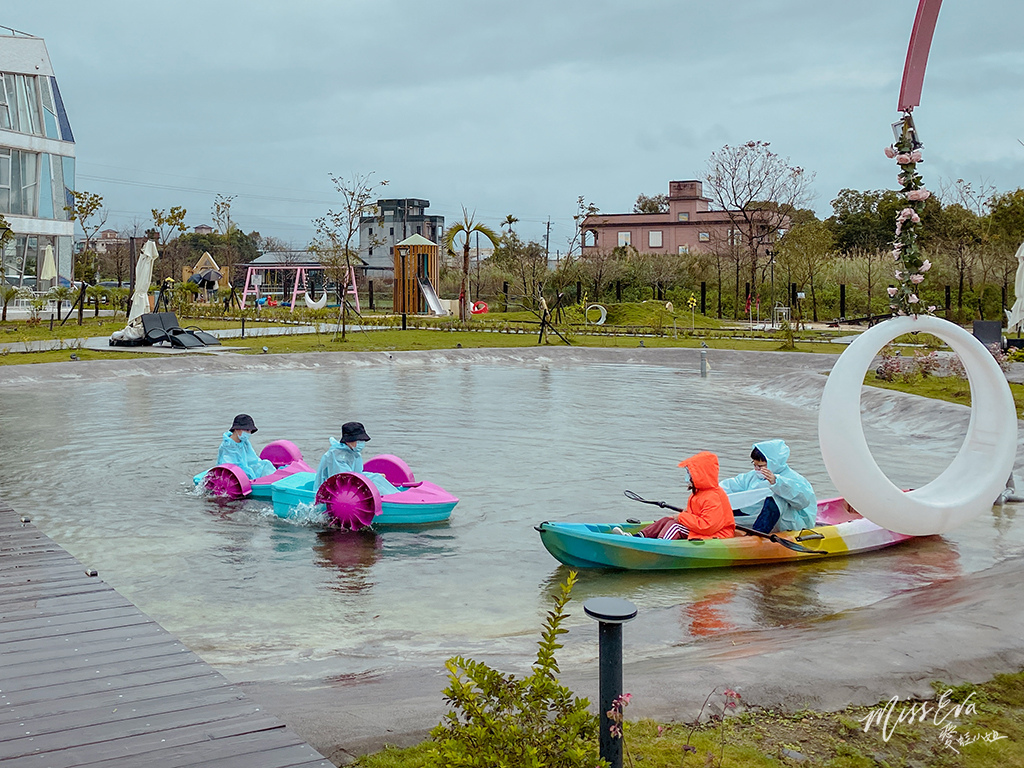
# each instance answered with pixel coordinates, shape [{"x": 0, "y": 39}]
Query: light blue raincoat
[
  {"x": 340, "y": 458},
  {"x": 791, "y": 490},
  {"x": 243, "y": 455}
]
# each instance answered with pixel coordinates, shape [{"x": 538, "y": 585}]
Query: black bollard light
[{"x": 611, "y": 613}]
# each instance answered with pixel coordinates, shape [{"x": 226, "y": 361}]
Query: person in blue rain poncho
[
  {"x": 236, "y": 449},
  {"x": 346, "y": 455},
  {"x": 791, "y": 504}
]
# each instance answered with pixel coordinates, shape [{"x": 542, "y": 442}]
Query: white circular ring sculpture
[
  {"x": 968, "y": 486},
  {"x": 599, "y": 308}
]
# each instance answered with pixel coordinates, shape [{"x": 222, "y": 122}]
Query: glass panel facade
[
  {"x": 12, "y": 101},
  {"x": 24, "y": 198},
  {"x": 45, "y": 189},
  {"x": 68, "y": 164},
  {"x": 30, "y": 104},
  {"x": 62, "y": 115},
  {"x": 5, "y": 112}
]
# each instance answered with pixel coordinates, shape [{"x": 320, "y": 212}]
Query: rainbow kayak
[{"x": 840, "y": 530}]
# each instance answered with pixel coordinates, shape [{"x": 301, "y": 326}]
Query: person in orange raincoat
[{"x": 708, "y": 513}]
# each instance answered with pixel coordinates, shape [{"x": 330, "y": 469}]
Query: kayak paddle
[{"x": 788, "y": 544}]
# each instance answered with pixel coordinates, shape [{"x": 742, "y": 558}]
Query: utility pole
[{"x": 547, "y": 240}]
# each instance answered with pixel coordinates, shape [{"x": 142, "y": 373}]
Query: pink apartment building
[{"x": 688, "y": 226}]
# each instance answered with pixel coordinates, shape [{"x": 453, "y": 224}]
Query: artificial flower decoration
[{"x": 906, "y": 252}]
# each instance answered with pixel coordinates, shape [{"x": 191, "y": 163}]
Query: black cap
[
  {"x": 243, "y": 421},
  {"x": 353, "y": 432}
]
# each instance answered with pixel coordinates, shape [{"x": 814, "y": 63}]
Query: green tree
[
  {"x": 8, "y": 293},
  {"x": 466, "y": 228},
  {"x": 510, "y": 221},
  {"x": 865, "y": 220},
  {"x": 169, "y": 225},
  {"x": 651, "y": 204},
  {"x": 805, "y": 251},
  {"x": 88, "y": 212},
  {"x": 526, "y": 265},
  {"x": 957, "y": 235},
  {"x": 6, "y": 236}
]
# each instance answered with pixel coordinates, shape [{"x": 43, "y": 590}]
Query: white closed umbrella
[
  {"x": 143, "y": 277},
  {"x": 49, "y": 269},
  {"x": 1015, "y": 317}
]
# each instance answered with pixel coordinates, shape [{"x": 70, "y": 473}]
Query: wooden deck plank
[
  {"x": 37, "y": 706},
  {"x": 247, "y": 744},
  {"x": 164, "y": 700},
  {"x": 88, "y": 679},
  {"x": 38, "y": 629},
  {"x": 191, "y": 740},
  {"x": 26, "y": 623},
  {"x": 61, "y": 605},
  {"x": 125, "y": 684},
  {"x": 27, "y": 743},
  {"x": 41, "y": 674}
]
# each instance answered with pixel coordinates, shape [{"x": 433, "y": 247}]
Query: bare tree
[
  {"x": 758, "y": 190},
  {"x": 337, "y": 232},
  {"x": 221, "y": 213}
]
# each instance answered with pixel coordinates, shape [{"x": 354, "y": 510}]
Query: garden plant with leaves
[{"x": 499, "y": 720}]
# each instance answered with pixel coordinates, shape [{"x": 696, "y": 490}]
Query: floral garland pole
[{"x": 906, "y": 251}]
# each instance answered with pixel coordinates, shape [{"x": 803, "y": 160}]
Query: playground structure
[
  {"x": 417, "y": 271},
  {"x": 255, "y": 274}
]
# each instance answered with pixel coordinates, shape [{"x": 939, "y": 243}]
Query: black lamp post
[
  {"x": 403, "y": 251},
  {"x": 610, "y": 613},
  {"x": 771, "y": 263}
]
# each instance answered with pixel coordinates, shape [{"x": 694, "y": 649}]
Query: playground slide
[{"x": 432, "y": 301}]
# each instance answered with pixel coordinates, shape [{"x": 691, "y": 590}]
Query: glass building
[{"x": 37, "y": 162}]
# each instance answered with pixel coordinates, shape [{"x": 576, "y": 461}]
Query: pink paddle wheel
[
  {"x": 227, "y": 480},
  {"x": 351, "y": 499}
]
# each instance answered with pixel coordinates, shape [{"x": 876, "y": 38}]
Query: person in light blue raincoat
[
  {"x": 236, "y": 449},
  {"x": 346, "y": 455},
  {"x": 791, "y": 504}
]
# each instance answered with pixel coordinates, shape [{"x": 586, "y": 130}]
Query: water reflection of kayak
[{"x": 840, "y": 530}]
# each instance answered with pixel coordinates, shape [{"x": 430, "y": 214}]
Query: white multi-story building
[
  {"x": 37, "y": 159},
  {"x": 392, "y": 221}
]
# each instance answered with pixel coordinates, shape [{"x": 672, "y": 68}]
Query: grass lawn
[
  {"x": 390, "y": 340},
  {"x": 763, "y": 739},
  {"x": 949, "y": 388}
]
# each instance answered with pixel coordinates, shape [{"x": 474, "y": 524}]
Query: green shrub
[{"x": 497, "y": 720}]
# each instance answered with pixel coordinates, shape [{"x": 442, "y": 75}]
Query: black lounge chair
[
  {"x": 170, "y": 324},
  {"x": 156, "y": 332}
]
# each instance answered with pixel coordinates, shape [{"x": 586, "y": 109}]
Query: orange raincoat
[{"x": 708, "y": 514}]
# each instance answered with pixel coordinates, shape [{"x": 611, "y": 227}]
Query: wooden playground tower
[{"x": 416, "y": 259}]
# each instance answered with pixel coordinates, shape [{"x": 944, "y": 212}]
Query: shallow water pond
[{"x": 105, "y": 469}]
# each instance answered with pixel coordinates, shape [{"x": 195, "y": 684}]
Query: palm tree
[
  {"x": 466, "y": 227},
  {"x": 7, "y": 294},
  {"x": 509, "y": 221},
  {"x": 59, "y": 294}
]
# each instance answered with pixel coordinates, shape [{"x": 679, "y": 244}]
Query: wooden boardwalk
[{"x": 87, "y": 679}]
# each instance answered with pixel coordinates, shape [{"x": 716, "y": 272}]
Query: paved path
[
  {"x": 87, "y": 679},
  {"x": 102, "y": 343}
]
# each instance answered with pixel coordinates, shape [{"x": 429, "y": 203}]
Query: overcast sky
[{"x": 514, "y": 107}]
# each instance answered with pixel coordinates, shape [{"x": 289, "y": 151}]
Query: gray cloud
[{"x": 510, "y": 108}]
